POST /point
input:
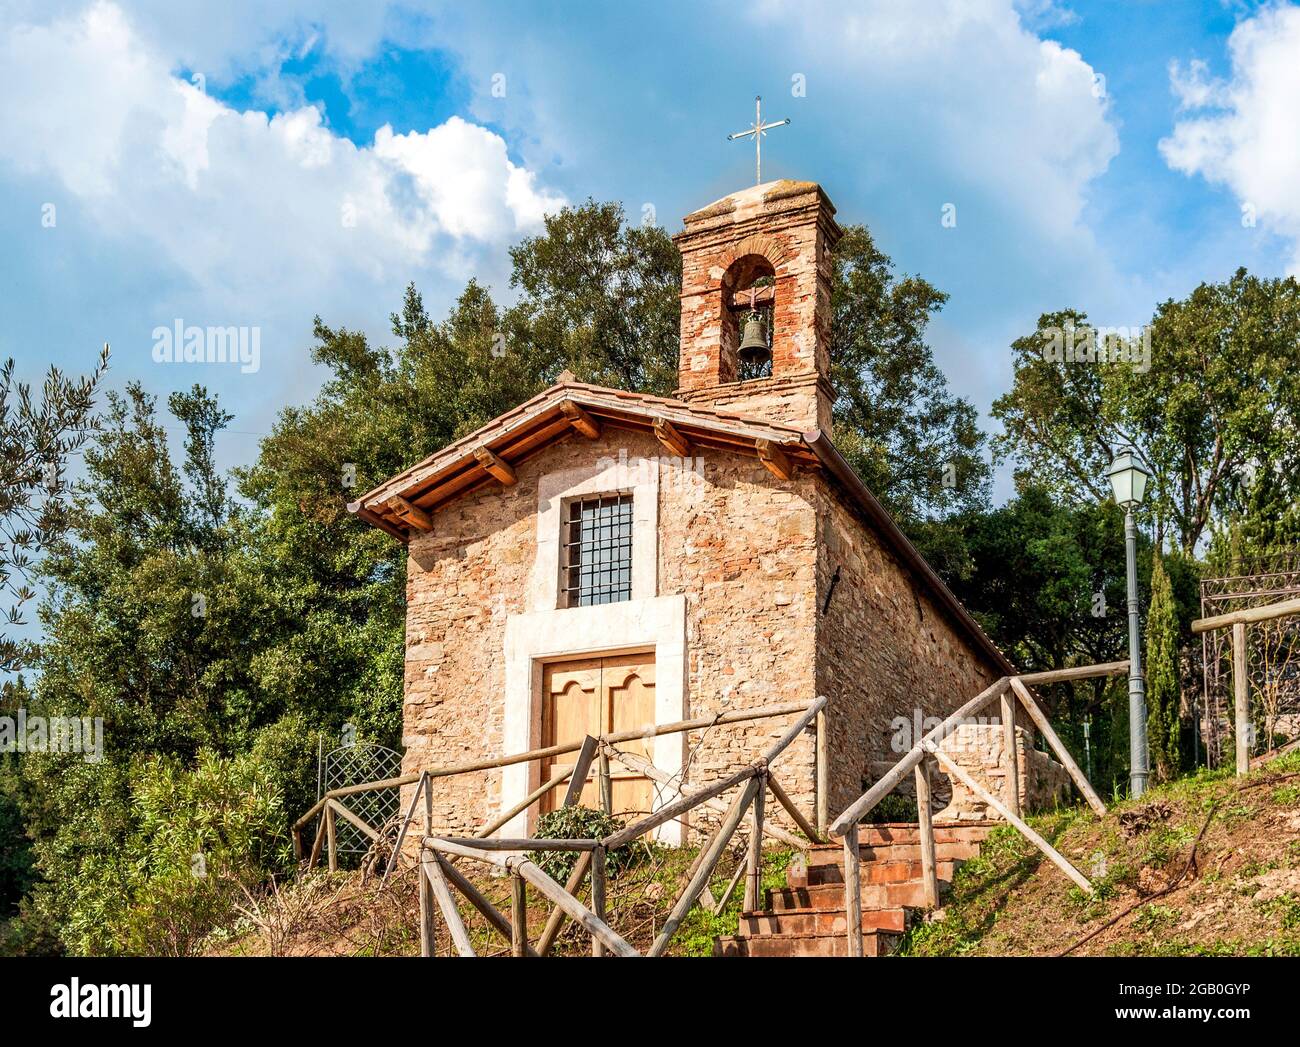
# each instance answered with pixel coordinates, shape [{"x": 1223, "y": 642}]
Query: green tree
[
  {"x": 154, "y": 622},
  {"x": 1162, "y": 675},
  {"x": 36, "y": 441},
  {"x": 600, "y": 298},
  {"x": 185, "y": 838},
  {"x": 1215, "y": 411},
  {"x": 1047, "y": 583}
]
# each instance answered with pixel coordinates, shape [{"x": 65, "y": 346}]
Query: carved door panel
[
  {"x": 599, "y": 696},
  {"x": 628, "y": 693},
  {"x": 570, "y": 708}
]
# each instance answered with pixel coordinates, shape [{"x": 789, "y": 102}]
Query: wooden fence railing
[
  {"x": 438, "y": 875},
  {"x": 920, "y": 759},
  {"x": 330, "y": 806},
  {"x": 1237, "y": 621}
]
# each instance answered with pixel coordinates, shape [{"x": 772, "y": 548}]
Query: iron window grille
[{"x": 598, "y": 551}]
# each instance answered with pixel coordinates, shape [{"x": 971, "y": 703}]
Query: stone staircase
[{"x": 807, "y": 917}]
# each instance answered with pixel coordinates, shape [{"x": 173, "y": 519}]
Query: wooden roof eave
[
  {"x": 531, "y": 433},
  {"x": 527, "y": 434},
  {"x": 378, "y": 520}
]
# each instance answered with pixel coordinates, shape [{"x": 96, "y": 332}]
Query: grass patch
[{"x": 1012, "y": 901}]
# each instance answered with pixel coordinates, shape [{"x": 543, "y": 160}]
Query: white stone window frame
[
  {"x": 549, "y": 632},
  {"x": 638, "y": 477}
]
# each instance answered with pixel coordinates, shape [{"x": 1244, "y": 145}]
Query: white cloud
[
  {"x": 1042, "y": 15},
  {"x": 251, "y": 207},
  {"x": 1000, "y": 112},
  {"x": 1244, "y": 134}
]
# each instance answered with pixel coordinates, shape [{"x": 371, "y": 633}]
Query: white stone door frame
[{"x": 655, "y": 624}]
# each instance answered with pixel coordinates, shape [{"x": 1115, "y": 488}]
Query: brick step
[
  {"x": 803, "y": 922},
  {"x": 826, "y": 896},
  {"x": 829, "y": 897},
  {"x": 807, "y": 918},
  {"x": 898, "y": 851},
  {"x": 872, "y": 835},
  {"x": 875, "y": 872},
  {"x": 947, "y": 857},
  {"x": 874, "y": 943}
]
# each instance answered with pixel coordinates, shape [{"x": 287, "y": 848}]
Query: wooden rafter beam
[
  {"x": 408, "y": 513},
  {"x": 673, "y": 441},
  {"x": 580, "y": 419},
  {"x": 496, "y": 466},
  {"x": 777, "y": 461}
]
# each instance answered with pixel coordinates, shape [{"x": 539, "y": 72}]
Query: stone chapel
[{"x": 598, "y": 559}]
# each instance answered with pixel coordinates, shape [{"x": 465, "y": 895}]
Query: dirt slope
[{"x": 1208, "y": 865}]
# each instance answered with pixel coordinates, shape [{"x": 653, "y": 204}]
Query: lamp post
[{"x": 1128, "y": 479}]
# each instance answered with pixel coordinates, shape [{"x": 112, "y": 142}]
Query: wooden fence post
[
  {"x": 558, "y": 915},
  {"x": 578, "y": 776},
  {"x": 853, "y": 890},
  {"x": 823, "y": 812},
  {"x": 518, "y": 915},
  {"x": 427, "y": 939},
  {"x": 447, "y": 903},
  {"x": 317, "y": 843},
  {"x": 605, "y": 785},
  {"x": 598, "y": 894},
  {"x": 1241, "y": 697},
  {"x": 929, "y": 870},
  {"x": 1009, "y": 748},
  {"x": 754, "y": 867},
  {"x": 330, "y": 838}
]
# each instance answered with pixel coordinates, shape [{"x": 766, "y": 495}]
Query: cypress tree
[{"x": 1162, "y": 674}]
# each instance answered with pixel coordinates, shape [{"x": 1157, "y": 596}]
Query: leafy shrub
[
  {"x": 576, "y": 822},
  {"x": 286, "y": 751},
  {"x": 894, "y": 808},
  {"x": 182, "y": 843}
]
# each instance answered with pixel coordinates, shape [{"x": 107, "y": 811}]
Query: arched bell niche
[{"x": 748, "y": 289}]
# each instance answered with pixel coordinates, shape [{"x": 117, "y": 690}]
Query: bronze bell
[{"x": 754, "y": 350}]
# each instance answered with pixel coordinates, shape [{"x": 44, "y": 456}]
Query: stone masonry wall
[
  {"x": 884, "y": 650},
  {"x": 741, "y": 547},
  {"x": 979, "y": 749},
  {"x": 753, "y": 556}
]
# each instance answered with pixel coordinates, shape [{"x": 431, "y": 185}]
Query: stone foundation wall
[{"x": 978, "y": 749}]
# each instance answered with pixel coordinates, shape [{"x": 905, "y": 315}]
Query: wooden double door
[{"x": 598, "y": 696}]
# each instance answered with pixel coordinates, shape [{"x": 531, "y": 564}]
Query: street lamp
[{"x": 1128, "y": 479}]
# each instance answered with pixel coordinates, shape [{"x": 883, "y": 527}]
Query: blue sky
[{"x": 252, "y": 165}]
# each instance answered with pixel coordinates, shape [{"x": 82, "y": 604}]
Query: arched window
[{"x": 748, "y": 293}]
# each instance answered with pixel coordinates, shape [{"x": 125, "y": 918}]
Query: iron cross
[{"x": 758, "y": 130}]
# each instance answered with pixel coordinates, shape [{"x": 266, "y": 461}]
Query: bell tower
[{"x": 757, "y": 265}]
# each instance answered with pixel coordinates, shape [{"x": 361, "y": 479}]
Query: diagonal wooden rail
[
  {"x": 440, "y": 879},
  {"x": 928, "y": 750},
  {"x": 510, "y": 856}
]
